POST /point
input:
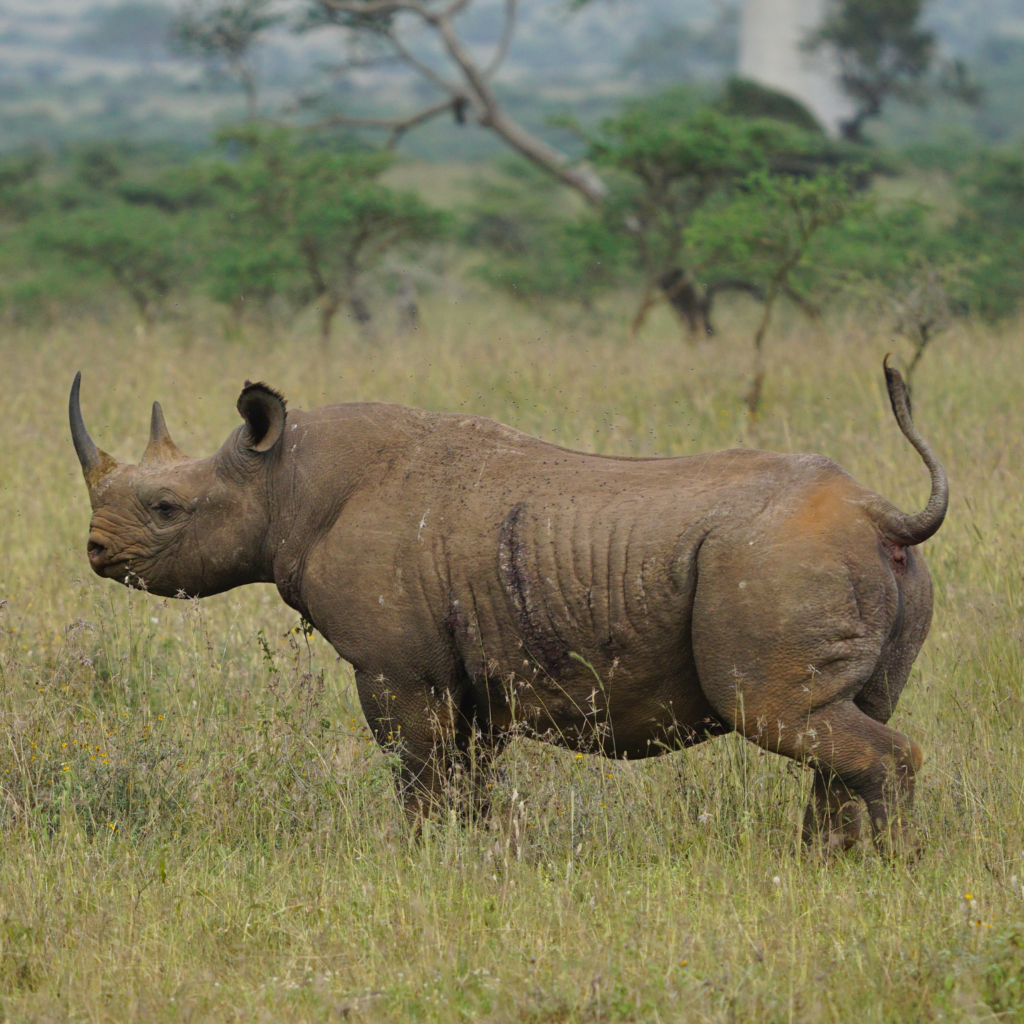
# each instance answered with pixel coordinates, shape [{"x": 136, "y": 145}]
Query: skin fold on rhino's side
[{"x": 482, "y": 581}]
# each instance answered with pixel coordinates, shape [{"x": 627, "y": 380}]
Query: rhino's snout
[{"x": 99, "y": 554}]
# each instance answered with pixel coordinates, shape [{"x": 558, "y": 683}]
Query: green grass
[{"x": 196, "y": 826}]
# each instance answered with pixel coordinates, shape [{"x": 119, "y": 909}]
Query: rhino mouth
[{"x": 105, "y": 562}]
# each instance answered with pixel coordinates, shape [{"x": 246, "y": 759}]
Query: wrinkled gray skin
[{"x": 463, "y": 568}]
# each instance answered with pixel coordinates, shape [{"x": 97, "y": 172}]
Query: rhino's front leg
[{"x": 444, "y": 753}]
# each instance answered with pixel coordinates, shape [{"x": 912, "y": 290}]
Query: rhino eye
[{"x": 165, "y": 510}]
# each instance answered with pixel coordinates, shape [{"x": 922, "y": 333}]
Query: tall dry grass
[{"x": 196, "y": 826}]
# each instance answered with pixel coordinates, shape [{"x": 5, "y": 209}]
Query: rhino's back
[{"x": 593, "y": 550}]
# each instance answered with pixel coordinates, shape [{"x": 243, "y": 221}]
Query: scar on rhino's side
[{"x": 541, "y": 638}]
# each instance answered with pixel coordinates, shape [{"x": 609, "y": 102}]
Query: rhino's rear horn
[
  {"x": 96, "y": 463},
  {"x": 160, "y": 448},
  {"x": 263, "y": 410}
]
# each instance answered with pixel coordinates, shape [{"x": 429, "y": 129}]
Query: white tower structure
[{"x": 771, "y": 33}]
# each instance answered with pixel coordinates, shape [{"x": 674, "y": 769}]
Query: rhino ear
[{"x": 263, "y": 410}]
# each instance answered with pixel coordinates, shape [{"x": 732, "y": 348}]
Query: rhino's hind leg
[
  {"x": 812, "y": 718},
  {"x": 803, "y": 643},
  {"x": 857, "y": 757},
  {"x": 833, "y": 815}
]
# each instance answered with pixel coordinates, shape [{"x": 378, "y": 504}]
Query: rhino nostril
[{"x": 97, "y": 552}]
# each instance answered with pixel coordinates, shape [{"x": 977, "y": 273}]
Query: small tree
[
  {"x": 884, "y": 54},
  {"x": 924, "y": 306},
  {"x": 764, "y": 235},
  {"x": 137, "y": 247},
  {"x": 226, "y": 32},
  {"x": 313, "y": 221},
  {"x": 664, "y": 170}
]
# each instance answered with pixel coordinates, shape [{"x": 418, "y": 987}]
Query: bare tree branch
[
  {"x": 397, "y": 126},
  {"x": 476, "y": 90},
  {"x": 493, "y": 116},
  {"x": 405, "y": 54},
  {"x": 507, "y": 31}
]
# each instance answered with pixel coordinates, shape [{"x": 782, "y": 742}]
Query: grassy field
[{"x": 196, "y": 827}]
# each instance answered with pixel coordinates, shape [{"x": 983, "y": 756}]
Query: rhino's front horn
[
  {"x": 160, "y": 448},
  {"x": 96, "y": 463}
]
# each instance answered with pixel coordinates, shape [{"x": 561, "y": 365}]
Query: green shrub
[
  {"x": 308, "y": 222},
  {"x": 138, "y": 248}
]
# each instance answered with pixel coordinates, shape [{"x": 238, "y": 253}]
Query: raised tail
[{"x": 897, "y": 525}]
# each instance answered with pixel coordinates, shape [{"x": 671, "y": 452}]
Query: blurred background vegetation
[{"x": 321, "y": 158}]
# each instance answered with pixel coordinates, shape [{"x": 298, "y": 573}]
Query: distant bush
[
  {"x": 137, "y": 248},
  {"x": 280, "y": 219},
  {"x": 567, "y": 260},
  {"x": 750, "y": 99},
  {"x": 308, "y": 222},
  {"x": 765, "y": 235}
]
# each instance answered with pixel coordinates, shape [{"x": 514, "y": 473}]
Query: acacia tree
[
  {"x": 666, "y": 170},
  {"x": 464, "y": 82},
  {"x": 884, "y": 54},
  {"x": 310, "y": 221},
  {"x": 139, "y": 248},
  {"x": 226, "y": 31},
  {"x": 765, "y": 234}
]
